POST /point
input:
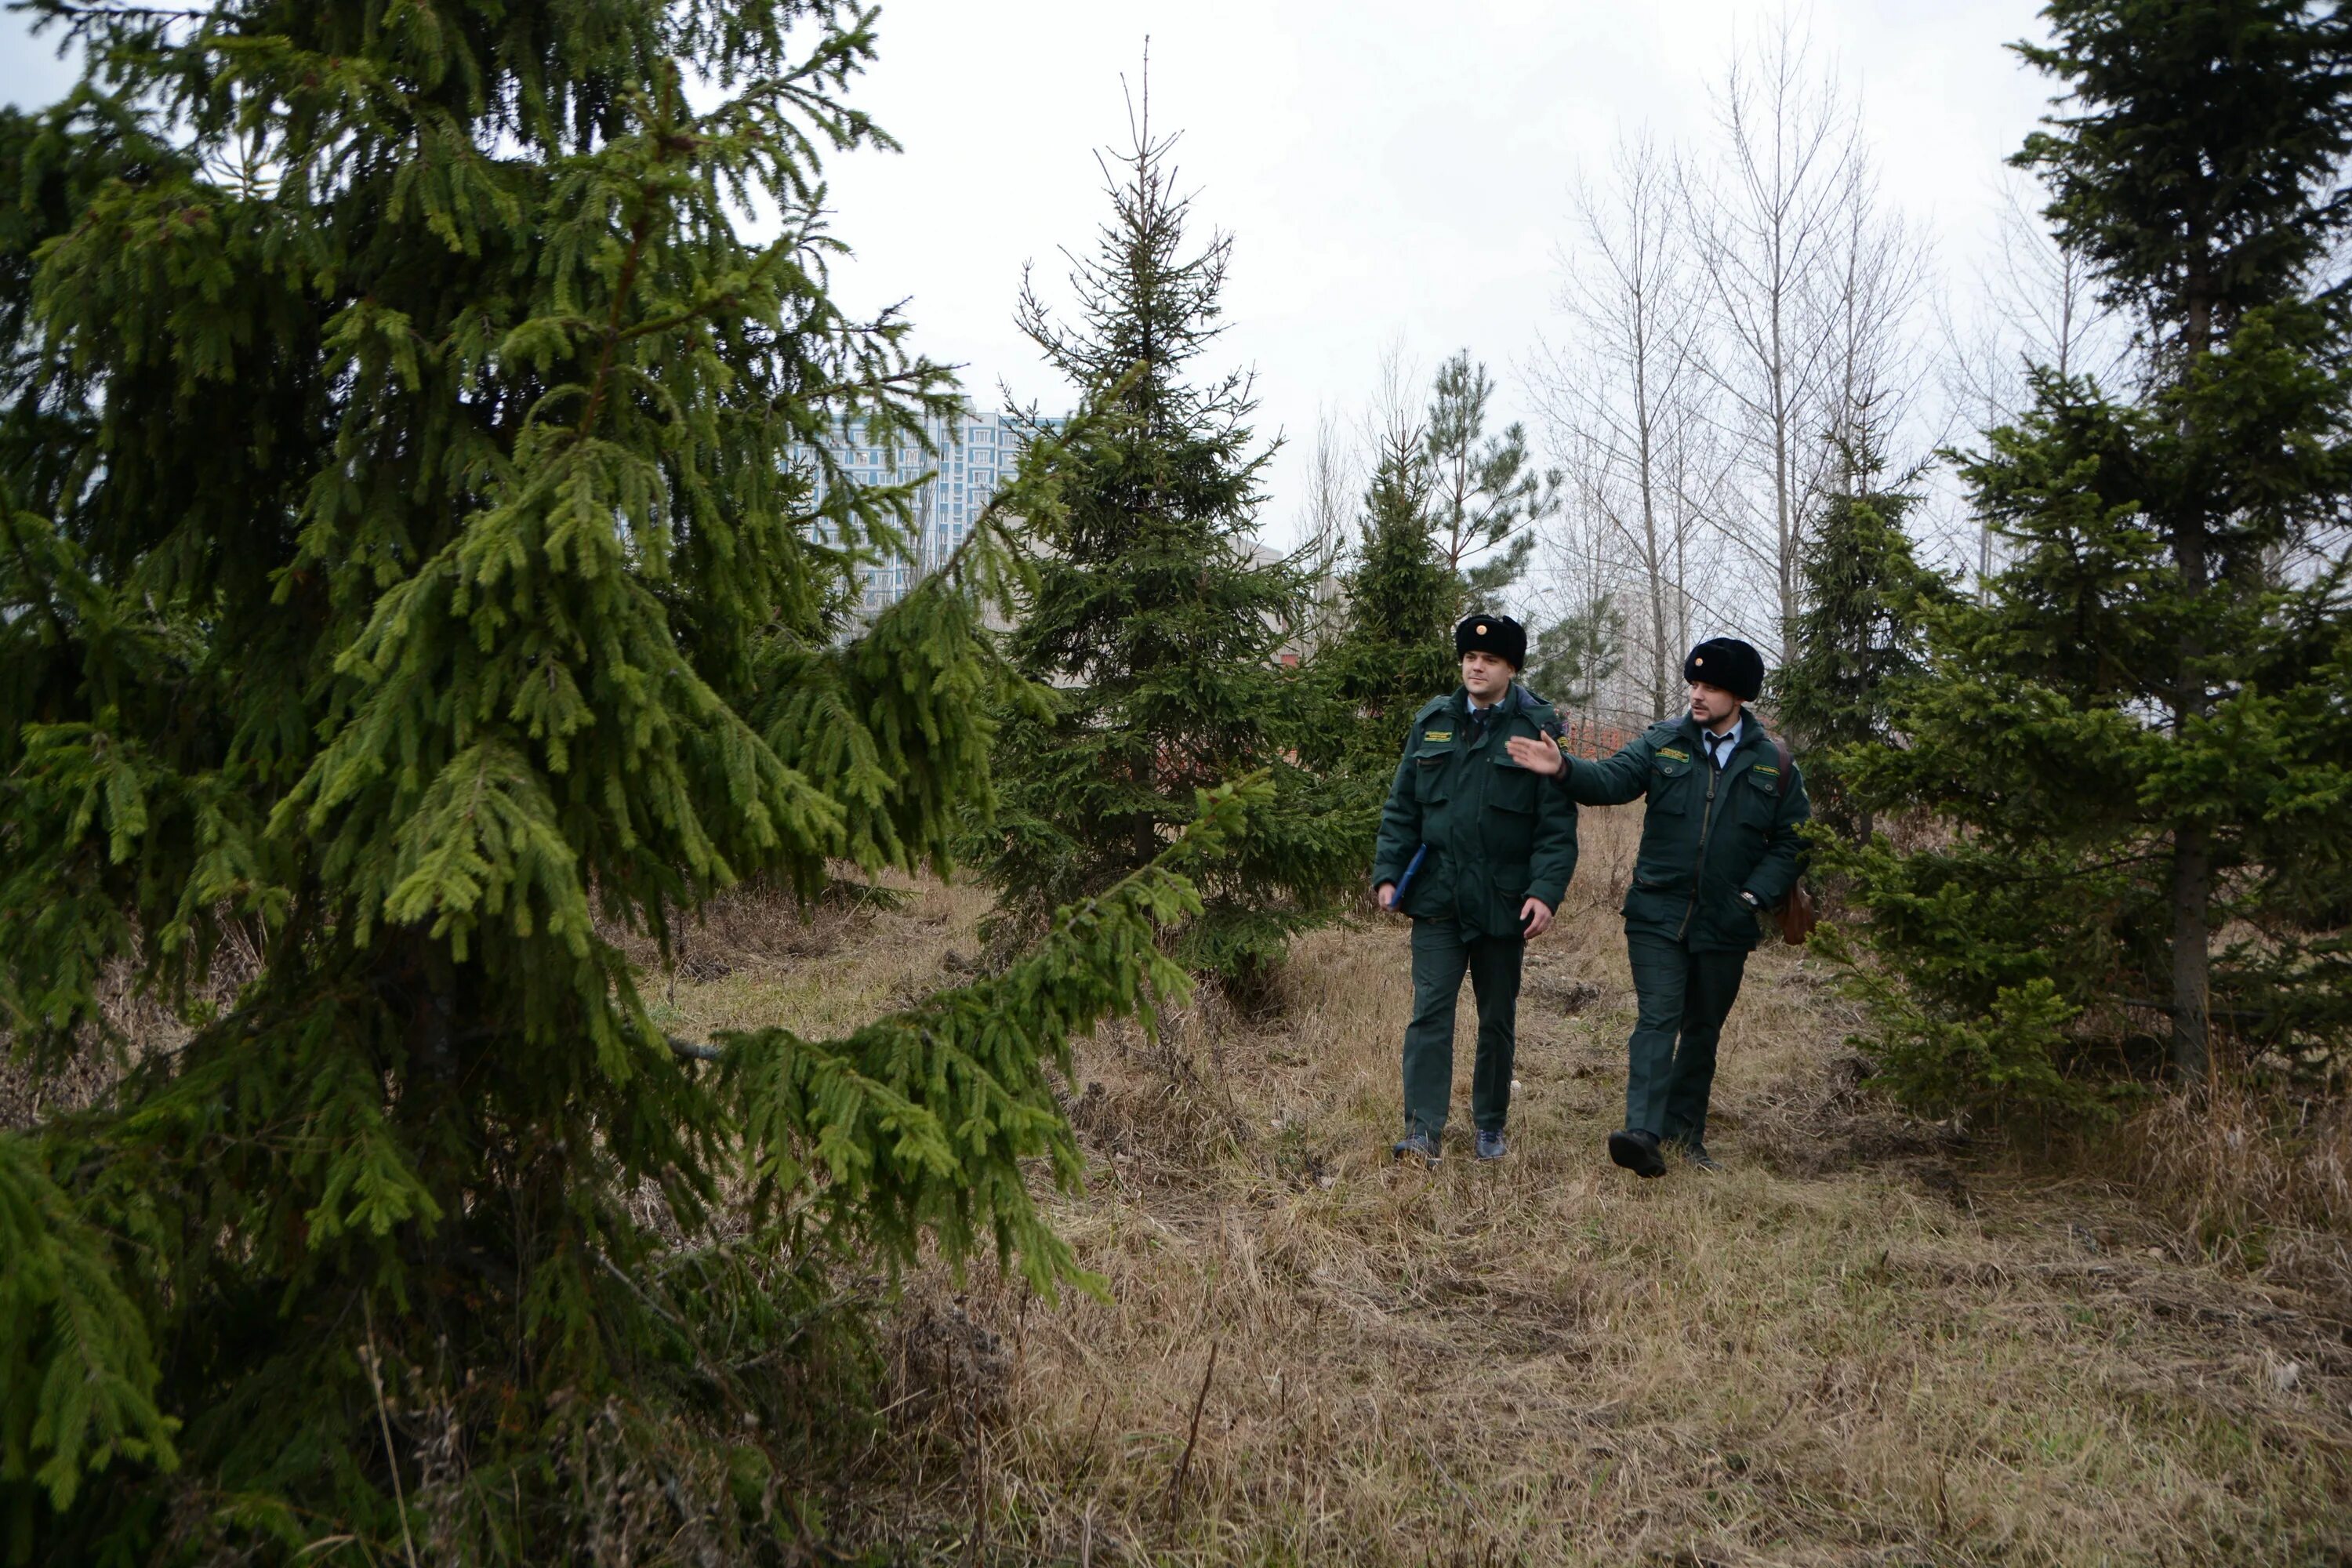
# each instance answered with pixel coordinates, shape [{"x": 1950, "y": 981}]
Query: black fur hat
[
  {"x": 1498, "y": 634},
  {"x": 1729, "y": 663}
]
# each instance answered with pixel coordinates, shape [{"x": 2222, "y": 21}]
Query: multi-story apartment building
[{"x": 975, "y": 450}]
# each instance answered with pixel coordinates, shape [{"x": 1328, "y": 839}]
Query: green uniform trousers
[
  {"x": 1682, "y": 994},
  {"x": 1440, "y": 952}
]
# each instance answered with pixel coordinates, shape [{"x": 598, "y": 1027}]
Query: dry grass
[
  {"x": 2267, "y": 1185},
  {"x": 1860, "y": 1344}
]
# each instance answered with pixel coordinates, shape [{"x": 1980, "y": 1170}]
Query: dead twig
[
  {"x": 383, "y": 1418},
  {"x": 1184, "y": 1465}
]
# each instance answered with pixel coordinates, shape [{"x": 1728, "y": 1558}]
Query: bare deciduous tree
[
  {"x": 1622, "y": 402},
  {"x": 1766, "y": 222},
  {"x": 1812, "y": 281},
  {"x": 1333, "y": 476},
  {"x": 2032, "y": 304}
]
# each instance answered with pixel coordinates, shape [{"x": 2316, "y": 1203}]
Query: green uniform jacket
[
  {"x": 1704, "y": 837},
  {"x": 1497, "y": 834}
]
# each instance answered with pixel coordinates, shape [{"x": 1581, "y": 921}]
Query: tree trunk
[
  {"x": 2193, "y": 891},
  {"x": 2193, "y": 850}
]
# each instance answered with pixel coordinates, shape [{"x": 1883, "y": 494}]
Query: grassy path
[{"x": 1857, "y": 1345}]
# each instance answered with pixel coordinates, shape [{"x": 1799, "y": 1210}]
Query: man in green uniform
[
  {"x": 1497, "y": 847},
  {"x": 1719, "y": 846}
]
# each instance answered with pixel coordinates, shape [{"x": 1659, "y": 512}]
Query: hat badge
[
  {"x": 1701, "y": 660},
  {"x": 1482, "y": 628}
]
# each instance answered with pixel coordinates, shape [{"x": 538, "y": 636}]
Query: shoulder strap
[
  {"x": 1550, "y": 725},
  {"x": 1781, "y": 748}
]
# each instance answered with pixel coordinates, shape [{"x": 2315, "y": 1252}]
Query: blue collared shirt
[{"x": 1721, "y": 750}]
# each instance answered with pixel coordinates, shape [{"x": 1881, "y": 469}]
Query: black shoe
[
  {"x": 1490, "y": 1143},
  {"x": 1637, "y": 1151},
  {"x": 1695, "y": 1153},
  {"x": 1416, "y": 1143}
]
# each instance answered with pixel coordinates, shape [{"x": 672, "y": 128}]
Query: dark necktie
[
  {"x": 1714, "y": 741},
  {"x": 1478, "y": 717}
]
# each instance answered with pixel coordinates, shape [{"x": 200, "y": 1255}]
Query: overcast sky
[{"x": 1392, "y": 172}]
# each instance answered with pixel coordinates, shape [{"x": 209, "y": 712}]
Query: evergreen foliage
[
  {"x": 1485, "y": 494},
  {"x": 2139, "y": 740},
  {"x": 1393, "y": 648},
  {"x": 1576, "y": 655},
  {"x": 411, "y": 575},
  {"x": 1443, "y": 493},
  {"x": 1859, "y": 637},
  {"x": 1152, "y": 618}
]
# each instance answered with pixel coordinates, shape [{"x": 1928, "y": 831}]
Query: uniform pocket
[
  {"x": 1429, "y": 777},
  {"x": 1513, "y": 788},
  {"x": 1509, "y": 828},
  {"x": 1670, "y": 784}
]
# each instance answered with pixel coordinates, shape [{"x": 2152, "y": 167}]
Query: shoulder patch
[
  {"x": 1437, "y": 734},
  {"x": 1542, "y": 714},
  {"x": 1766, "y": 768},
  {"x": 1670, "y": 751}
]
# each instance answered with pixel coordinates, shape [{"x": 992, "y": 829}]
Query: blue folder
[{"x": 1404, "y": 883}]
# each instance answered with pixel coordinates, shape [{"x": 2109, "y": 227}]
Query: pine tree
[
  {"x": 1485, "y": 495},
  {"x": 411, "y": 575},
  {"x": 1577, "y": 655},
  {"x": 1153, "y": 617},
  {"x": 1859, "y": 637},
  {"x": 2138, "y": 740}
]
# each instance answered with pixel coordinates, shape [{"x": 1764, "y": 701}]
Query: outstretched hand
[{"x": 1537, "y": 756}]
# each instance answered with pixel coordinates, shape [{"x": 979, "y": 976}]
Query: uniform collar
[
  {"x": 1750, "y": 733},
  {"x": 1462, "y": 703}
]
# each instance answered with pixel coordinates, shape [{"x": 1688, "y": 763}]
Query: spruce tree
[
  {"x": 1859, "y": 637},
  {"x": 1393, "y": 649},
  {"x": 1153, "y": 617},
  {"x": 2139, "y": 739},
  {"x": 411, "y": 576}
]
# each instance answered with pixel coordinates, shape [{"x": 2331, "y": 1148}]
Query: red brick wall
[{"x": 1597, "y": 736}]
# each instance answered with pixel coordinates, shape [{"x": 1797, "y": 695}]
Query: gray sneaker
[
  {"x": 1421, "y": 1144},
  {"x": 1490, "y": 1143}
]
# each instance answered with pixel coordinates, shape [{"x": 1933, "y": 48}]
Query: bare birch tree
[
  {"x": 2032, "y": 303},
  {"x": 1326, "y": 525},
  {"x": 1765, "y": 221},
  {"x": 1873, "y": 289},
  {"x": 1812, "y": 281},
  {"x": 1621, "y": 400}
]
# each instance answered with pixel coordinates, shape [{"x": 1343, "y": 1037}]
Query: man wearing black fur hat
[
  {"x": 1478, "y": 851},
  {"x": 1719, "y": 846}
]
